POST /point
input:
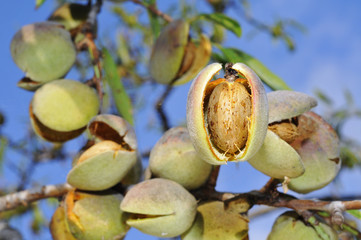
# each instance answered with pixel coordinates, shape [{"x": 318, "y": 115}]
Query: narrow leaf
[
  {"x": 129, "y": 19},
  {"x": 319, "y": 229},
  {"x": 153, "y": 19},
  {"x": 289, "y": 42},
  {"x": 348, "y": 157},
  {"x": 341, "y": 114},
  {"x": 218, "y": 58},
  {"x": 350, "y": 229},
  {"x": 223, "y": 20},
  {"x": 3, "y": 145},
  {"x": 266, "y": 75},
  {"x": 323, "y": 97},
  {"x": 120, "y": 96},
  {"x": 38, "y": 3},
  {"x": 123, "y": 51},
  {"x": 355, "y": 213},
  {"x": 38, "y": 220}
]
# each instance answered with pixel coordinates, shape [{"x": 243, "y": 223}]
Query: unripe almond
[
  {"x": 160, "y": 207},
  {"x": 44, "y": 51},
  {"x": 94, "y": 216},
  {"x": 291, "y": 224},
  {"x": 59, "y": 112},
  {"x": 214, "y": 221},
  {"x": 277, "y": 158},
  {"x": 59, "y": 227},
  {"x": 174, "y": 157},
  {"x": 175, "y": 57},
  {"x": 318, "y": 145},
  {"x": 102, "y": 166}
]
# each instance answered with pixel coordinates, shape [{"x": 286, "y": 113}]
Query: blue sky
[{"x": 327, "y": 57}]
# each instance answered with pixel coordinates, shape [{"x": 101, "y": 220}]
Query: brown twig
[
  {"x": 335, "y": 208},
  {"x": 35, "y": 152},
  {"x": 88, "y": 43},
  {"x": 23, "y": 198},
  {"x": 269, "y": 196},
  {"x": 154, "y": 10},
  {"x": 212, "y": 180},
  {"x": 159, "y": 107},
  {"x": 271, "y": 185},
  {"x": 247, "y": 200}
]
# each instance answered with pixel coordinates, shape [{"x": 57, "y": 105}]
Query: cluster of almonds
[
  {"x": 283, "y": 140},
  {"x": 45, "y": 51},
  {"x": 233, "y": 119},
  {"x": 228, "y": 119}
]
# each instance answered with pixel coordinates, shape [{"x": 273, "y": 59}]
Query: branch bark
[
  {"x": 23, "y": 198},
  {"x": 271, "y": 198}
]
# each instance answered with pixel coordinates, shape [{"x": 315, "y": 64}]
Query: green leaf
[
  {"x": 341, "y": 114},
  {"x": 289, "y": 42},
  {"x": 3, "y": 145},
  {"x": 267, "y": 76},
  {"x": 218, "y": 58},
  {"x": 323, "y": 97},
  {"x": 350, "y": 229},
  {"x": 323, "y": 214},
  {"x": 355, "y": 213},
  {"x": 318, "y": 228},
  {"x": 38, "y": 220},
  {"x": 38, "y": 3},
  {"x": 123, "y": 51},
  {"x": 129, "y": 19},
  {"x": 153, "y": 19},
  {"x": 223, "y": 20},
  {"x": 348, "y": 157},
  {"x": 120, "y": 96}
]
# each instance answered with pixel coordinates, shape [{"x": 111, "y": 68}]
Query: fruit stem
[
  {"x": 230, "y": 74},
  {"x": 159, "y": 107}
]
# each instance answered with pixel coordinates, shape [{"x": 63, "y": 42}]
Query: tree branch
[
  {"x": 264, "y": 197},
  {"x": 159, "y": 107},
  {"x": 212, "y": 180},
  {"x": 25, "y": 197},
  {"x": 154, "y": 10},
  {"x": 269, "y": 196}
]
